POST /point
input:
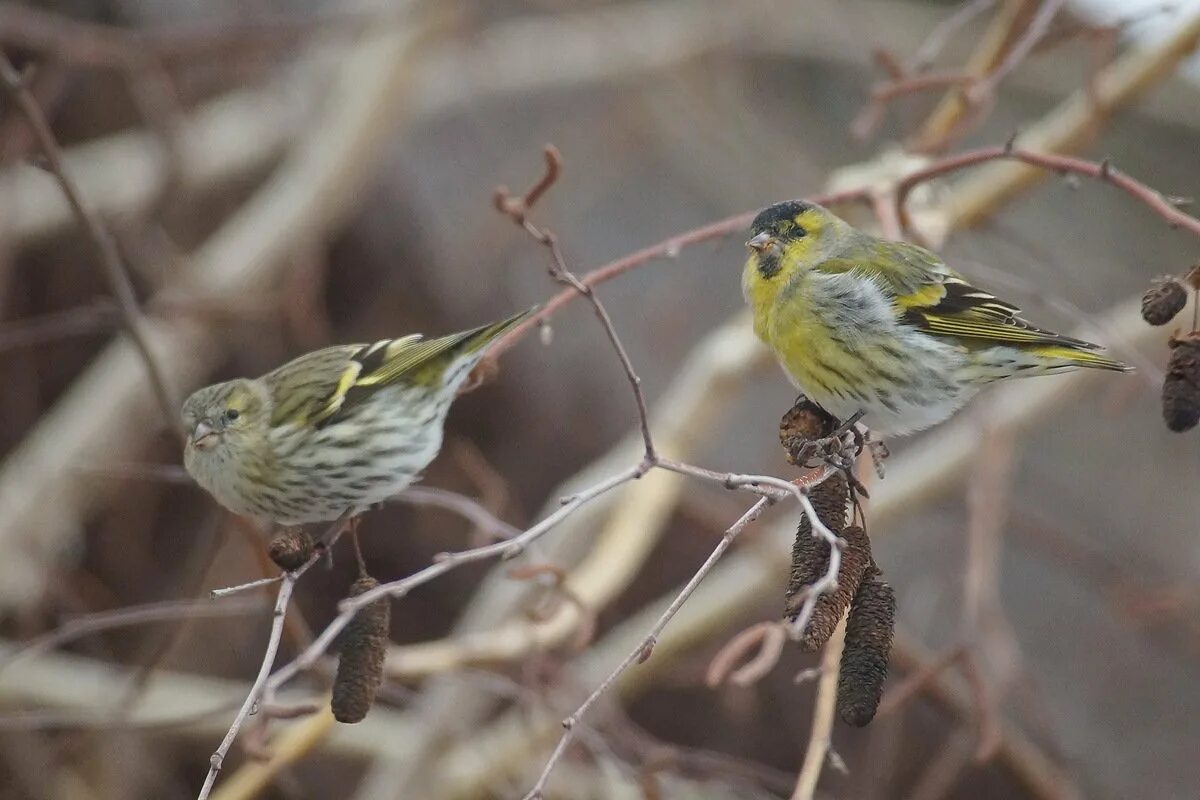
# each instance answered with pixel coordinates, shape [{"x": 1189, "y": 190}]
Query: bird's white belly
[
  {"x": 902, "y": 417},
  {"x": 337, "y": 476}
]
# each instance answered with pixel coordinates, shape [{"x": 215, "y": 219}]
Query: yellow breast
[{"x": 804, "y": 346}]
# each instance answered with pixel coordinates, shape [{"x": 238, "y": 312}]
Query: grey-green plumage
[{"x": 335, "y": 430}]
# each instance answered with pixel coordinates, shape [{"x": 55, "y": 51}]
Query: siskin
[
  {"x": 333, "y": 431},
  {"x": 862, "y": 324}
]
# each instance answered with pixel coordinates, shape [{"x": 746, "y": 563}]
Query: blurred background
[{"x": 281, "y": 175}]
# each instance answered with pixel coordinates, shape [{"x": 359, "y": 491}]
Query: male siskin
[{"x": 863, "y": 324}]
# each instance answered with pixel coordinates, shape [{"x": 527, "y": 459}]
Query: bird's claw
[
  {"x": 879, "y": 451},
  {"x": 839, "y": 449}
]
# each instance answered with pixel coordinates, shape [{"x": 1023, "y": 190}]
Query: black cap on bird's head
[
  {"x": 781, "y": 215},
  {"x": 785, "y": 223}
]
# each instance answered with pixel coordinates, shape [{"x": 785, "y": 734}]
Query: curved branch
[{"x": 1099, "y": 170}]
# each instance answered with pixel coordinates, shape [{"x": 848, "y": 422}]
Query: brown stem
[{"x": 115, "y": 272}]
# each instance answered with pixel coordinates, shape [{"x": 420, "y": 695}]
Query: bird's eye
[
  {"x": 232, "y": 414},
  {"x": 799, "y": 232}
]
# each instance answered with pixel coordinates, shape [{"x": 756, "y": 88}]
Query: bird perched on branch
[
  {"x": 886, "y": 329},
  {"x": 333, "y": 431}
]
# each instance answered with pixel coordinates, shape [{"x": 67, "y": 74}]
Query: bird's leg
[
  {"x": 879, "y": 451},
  {"x": 804, "y": 430},
  {"x": 850, "y": 426},
  {"x": 348, "y": 521},
  {"x": 832, "y": 447},
  {"x": 358, "y": 554}
]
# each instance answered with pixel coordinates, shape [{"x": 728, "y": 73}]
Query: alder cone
[
  {"x": 360, "y": 664},
  {"x": 803, "y": 423},
  {"x": 291, "y": 549},
  {"x": 1181, "y": 389},
  {"x": 1163, "y": 301},
  {"x": 864, "y": 668},
  {"x": 810, "y": 554},
  {"x": 856, "y": 560}
]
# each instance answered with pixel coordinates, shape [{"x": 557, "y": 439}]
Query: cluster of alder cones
[
  {"x": 363, "y": 643},
  {"x": 867, "y": 601},
  {"x": 1181, "y": 389}
]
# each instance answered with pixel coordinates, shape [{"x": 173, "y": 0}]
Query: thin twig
[
  {"x": 818, "y": 750},
  {"x": 869, "y": 118},
  {"x": 828, "y": 582},
  {"x": 444, "y": 563},
  {"x": 243, "y": 587},
  {"x": 1018, "y": 52},
  {"x": 217, "y": 760},
  {"x": 1101, "y": 171},
  {"x": 954, "y": 114},
  {"x": 518, "y": 210},
  {"x": 646, "y": 647},
  {"x": 769, "y": 489},
  {"x": 115, "y": 272},
  {"x": 78, "y": 627},
  {"x": 466, "y": 507},
  {"x": 94, "y": 318},
  {"x": 776, "y": 488},
  {"x": 936, "y": 41},
  {"x": 768, "y": 637},
  {"x": 261, "y": 687}
]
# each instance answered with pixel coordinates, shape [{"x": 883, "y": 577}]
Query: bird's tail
[
  {"x": 1072, "y": 357},
  {"x": 427, "y": 361},
  {"x": 463, "y": 351},
  {"x": 478, "y": 339}
]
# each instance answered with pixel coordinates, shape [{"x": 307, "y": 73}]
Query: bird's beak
[
  {"x": 759, "y": 242},
  {"x": 203, "y": 436}
]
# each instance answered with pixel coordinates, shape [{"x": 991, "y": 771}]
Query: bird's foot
[
  {"x": 805, "y": 430},
  {"x": 879, "y": 451},
  {"x": 836, "y": 444},
  {"x": 347, "y": 523}
]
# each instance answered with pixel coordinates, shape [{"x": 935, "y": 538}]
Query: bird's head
[
  {"x": 789, "y": 236},
  {"x": 786, "y": 239},
  {"x": 225, "y": 416}
]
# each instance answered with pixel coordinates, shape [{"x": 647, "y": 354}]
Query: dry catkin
[
  {"x": 803, "y": 423},
  {"x": 1181, "y": 389},
  {"x": 1163, "y": 301},
  {"x": 360, "y": 664},
  {"x": 829, "y": 607},
  {"x": 291, "y": 549},
  {"x": 868, "y": 645},
  {"x": 810, "y": 554}
]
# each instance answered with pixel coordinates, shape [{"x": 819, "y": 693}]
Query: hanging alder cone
[
  {"x": 360, "y": 663},
  {"x": 810, "y": 562},
  {"x": 864, "y": 668},
  {"x": 1163, "y": 301},
  {"x": 830, "y": 606},
  {"x": 1181, "y": 389},
  {"x": 810, "y": 554}
]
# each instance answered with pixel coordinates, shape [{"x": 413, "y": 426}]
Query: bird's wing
[
  {"x": 929, "y": 295},
  {"x": 315, "y": 389}
]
